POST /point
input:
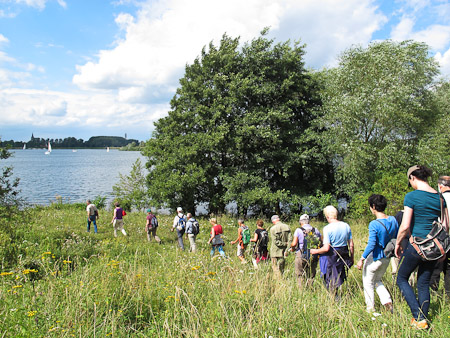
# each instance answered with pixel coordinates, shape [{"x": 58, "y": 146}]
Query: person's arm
[
  {"x": 294, "y": 243},
  {"x": 114, "y": 216},
  {"x": 213, "y": 234},
  {"x": 255, "y": 238},
  {"x": 239, "y": 236},
  {"x": 370, "y": 244},
  {"x": 324, "y": 249},
  {"x": 88, "y": 212},
  {"x": 351, "y": 248},
  {"x": 403, "y": 231}
]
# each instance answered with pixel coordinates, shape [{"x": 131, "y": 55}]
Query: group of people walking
[{"x": 389, "y": 237}]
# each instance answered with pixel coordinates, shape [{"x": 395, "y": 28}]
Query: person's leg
[
  {"x": 191, "y": 238},
  {"x": 298, "y": 268},
  {"x": 383, "y": 293},
  {"x": 436, "y": 276},
  {"x": 447, "y": 275},
  {"x": 409, "y": 261},
  {"x": 423, "y": 287},
  {"x": 368, "y": 279},
  {"x": 88, "y": 224},
  {"x": 281, "y": 265},
  {"x": 115, "y": 227},
  {"x": 213, "y": 249},
  {"x": 180, "y": 239},
  {"x": 124, "y": 232},
  {"x": 95, "y": 224},
  {"x": 275, "y": 267},
  {"x": 149, "y": 238},
  {"x": 157, "y": 239},
  {"x": 220, "y": 249},
  {"x": 313, "y": 266}
]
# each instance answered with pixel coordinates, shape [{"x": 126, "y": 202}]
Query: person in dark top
[{"x": 261, "y": 238}]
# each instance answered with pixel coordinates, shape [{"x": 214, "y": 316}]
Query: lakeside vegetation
[
  {"x": 68, "y": 283},
  {"x": 73, "y": 143}
]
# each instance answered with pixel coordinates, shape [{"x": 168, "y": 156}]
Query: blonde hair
[
  {"x": 330, "y": 212},
  {"x": 213, "y": 220}
]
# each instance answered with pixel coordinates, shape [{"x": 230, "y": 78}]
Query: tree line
[
  {"x": 72, "y": 142},
  {"x": 251, "y": 125}
]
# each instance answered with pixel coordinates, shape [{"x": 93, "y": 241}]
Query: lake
[{"x": 75, "y": 176}]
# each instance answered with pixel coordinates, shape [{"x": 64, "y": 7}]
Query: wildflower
[
  {"x": 31, "y": 313},
  {"x": 47, "y": 253},
  {"x": 211, "y": 273},
  {"x": 195, "y": 267},
  {"x": 17, "y": 286},
  {"x": 27, "y": 271},
  {"x": 6, "y": 273},
  {"x": 67, "y": 262}
]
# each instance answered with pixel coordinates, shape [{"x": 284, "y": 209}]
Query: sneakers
[{"x": 419, "y": 325}]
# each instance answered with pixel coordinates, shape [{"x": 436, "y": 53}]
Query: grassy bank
[{"x": 68, "y": 283}]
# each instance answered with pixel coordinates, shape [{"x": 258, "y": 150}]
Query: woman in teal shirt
[{"x": 422, "y": 208}]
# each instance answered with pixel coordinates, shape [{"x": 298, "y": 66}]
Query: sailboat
[
  {"x": 107, "y": 149},
  {"x": 49, "y": 150},
  {"x": 24, "y": 146}
]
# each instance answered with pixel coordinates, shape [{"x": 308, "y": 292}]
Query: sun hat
[
  {"x": 304, "y": 217},
  {"x": 410, "y": 171},
  {"x": 179, "y": 209}
]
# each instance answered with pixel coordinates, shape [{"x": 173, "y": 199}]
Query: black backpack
[
  {"x": 263, "y": 240},
  {"x": 195, "y": 228}
]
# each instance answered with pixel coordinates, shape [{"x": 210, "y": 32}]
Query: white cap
[
  {"x": 179, "y": 209},
  {"x": 304, "y": 217}
]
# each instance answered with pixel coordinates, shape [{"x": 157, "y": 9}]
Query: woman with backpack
[
  {"x": 242, "y": 240},
  {"x": 261, "y": 238},
  {"x": 305, "y": 263},
  {"x": 422, "y": 207},
  {"x": 150, "y": 226},
  {"x": 216, "y": 240},
  {"x": 117, "y": 220},
  {"x": 374, "y": 261}
]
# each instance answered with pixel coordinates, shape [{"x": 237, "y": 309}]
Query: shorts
[
  {"x": 240, "y": 251},
  {"x": 118, "y": 224}
]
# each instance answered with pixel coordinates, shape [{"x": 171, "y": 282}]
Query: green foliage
[
  {"x": 376, "y": 107},
  {"x": 392, "y": 186},
  {"x": 314, "y": 204},
  {"x": 235, "y": 131},
  {"x": 131, "y": 189}
]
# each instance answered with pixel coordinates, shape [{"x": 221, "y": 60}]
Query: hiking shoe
[{"x": 420, "y": 325}]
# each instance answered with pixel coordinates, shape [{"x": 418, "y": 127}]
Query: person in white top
[
  {"x": 443, "y": 266},
  {"x": 179, "y": 223},
  {"x": 92, "y": 215}
]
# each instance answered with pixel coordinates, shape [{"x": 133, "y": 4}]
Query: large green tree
[
  {"x": 376, "y": 107},
  {"x": 235, "y": 130}
]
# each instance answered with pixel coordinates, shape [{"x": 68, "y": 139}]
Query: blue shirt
[
  {"x": 426, "y": 209},
  {"x": 379, "y": 237},
  {"x": 337, "y": 234}
]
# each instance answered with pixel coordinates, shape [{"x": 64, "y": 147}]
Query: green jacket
[{"x": 281, "y": 239}]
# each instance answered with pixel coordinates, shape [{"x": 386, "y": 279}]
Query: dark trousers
[
  {"x": 410, "y": 260},
  {"x": 436, "y": 275},
  {"x": 90, "y": 219}
]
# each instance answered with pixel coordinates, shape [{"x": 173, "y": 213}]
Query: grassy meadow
[{"x": 70, "y": 283}]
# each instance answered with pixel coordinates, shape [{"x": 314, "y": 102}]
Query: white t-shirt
[{"x": 91, "y": 208}]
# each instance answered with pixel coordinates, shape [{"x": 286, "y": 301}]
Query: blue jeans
[
  {"x": 410, "y": 260},
  {"x": 219, "y": 248},
  {"x": 180, "y": 238},
  {"x": 89, "y": 220}
]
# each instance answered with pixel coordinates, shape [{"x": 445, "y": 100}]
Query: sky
[{"x": 85, "y": 68}]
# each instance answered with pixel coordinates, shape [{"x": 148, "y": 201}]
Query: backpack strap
[{"x": 387, "y": 231}]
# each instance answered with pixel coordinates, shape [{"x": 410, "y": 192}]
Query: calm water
[{"x": 75, "y": 176}]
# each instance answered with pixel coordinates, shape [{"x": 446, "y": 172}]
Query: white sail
[
  {"x": 24, "y": 146},
  {"x": 107, "y": 149},
  {"x": 49, "y": 150}
]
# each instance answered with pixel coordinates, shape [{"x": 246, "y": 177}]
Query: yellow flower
[
  {"x": 47, "y": 253},
  {"x": 31, "y": 313},
  {"x": 195, "y": 267},
  {"x": 67, "y": 262},
  {"x": 17, "y": 286},
  {"x": 6, "y": 273},
  {"x": 211, "y": 273}
]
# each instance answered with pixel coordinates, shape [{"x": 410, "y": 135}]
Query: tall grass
[{"x": 69, "y": 283}]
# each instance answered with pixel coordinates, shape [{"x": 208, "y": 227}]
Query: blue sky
[{"x": 84, "y": 68}]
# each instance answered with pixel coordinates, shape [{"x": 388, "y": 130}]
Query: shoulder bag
[{"x": 437, "y": 242}]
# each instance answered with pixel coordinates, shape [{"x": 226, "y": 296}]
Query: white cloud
[
  {"x": 39, "y": 4},
  {"x": 436, "y": 36},
  {"x": 51, "y": 108},
  {"x": 165, "y": 35},
  {"x": 3, "y": 39},
  {"x": 444, "y": 61}
]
